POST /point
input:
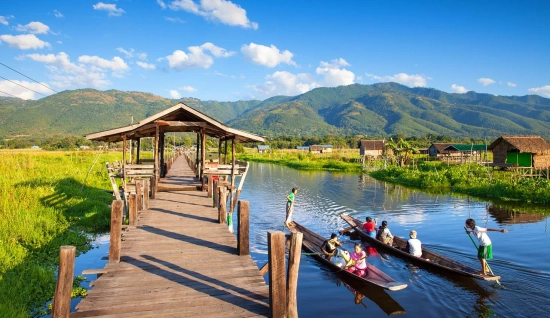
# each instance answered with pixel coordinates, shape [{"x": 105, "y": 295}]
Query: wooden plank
[
  {"x": 277, "y": 273},
  {"x": 243, "y": 244},
  {"x": 62, "y": 298},
  {"x": 116, "y": 221},
  {"x": 294, "y": 254}
]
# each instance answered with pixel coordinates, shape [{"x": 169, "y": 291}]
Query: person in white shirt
[
  {"x": 485, "y": 248},
  {"x": 414, "y": 246}
]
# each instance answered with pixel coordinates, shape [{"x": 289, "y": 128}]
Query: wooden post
[
  {"x": 139, "y": 195},
  {"x": 124, "y": 149},
  {"x": 210, "y": 183},
  {"x": 153, "y": 186},
  {"x": 222, "y": 211},
  {"x": 231, "y": 204},
  {"x": 277, "y": 273},
  {"x": 64, "y": 286},
  {"x": 132, "y": 209},
  {"x": 294, "y": 254},
  {"x": 116, "y": 223},
  {"x": 215, "y": 195},
  {"x": 156, "y": 153},
  {"x": 146, "y": 184},
  {"x": 244, "y": 228},
  {"x": 138, "y": 151}
]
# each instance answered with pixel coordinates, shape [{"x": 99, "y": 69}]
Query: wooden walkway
[{"x": 178, "y": 262}]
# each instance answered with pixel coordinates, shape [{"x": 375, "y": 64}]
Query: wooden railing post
[
  {"x": 215, "y": 195},
  {"x": 222, "y": 212},
  {"x": 139, "y": 195},
  {"x": 132, "y": 209},
  {"x": 153, "y": 186},
  {"x": 294, "y": 254},
  {"x": 64, "y": 286},
  {"x": 277, "y": 273},
  {"x": 116, "y": 228},
  {"x": 146, "y": 186},
  {"x": 210, "y": 184},
  {"x": 243, "y": 244}
]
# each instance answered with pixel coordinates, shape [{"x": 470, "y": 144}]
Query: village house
[
  {"x": 373, "y": 148},
  {"x": 521, "y": 151},
  {"x": 263, "y": 148}
]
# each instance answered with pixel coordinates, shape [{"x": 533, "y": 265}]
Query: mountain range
[{"x": 373, "y": 110}]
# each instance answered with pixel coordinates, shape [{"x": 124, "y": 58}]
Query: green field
[{"x": 47, "y": 199}]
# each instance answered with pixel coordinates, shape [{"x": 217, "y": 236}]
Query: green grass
[
  {"x": 47, "y": 199},
  {"x": 337, "y": 161}
]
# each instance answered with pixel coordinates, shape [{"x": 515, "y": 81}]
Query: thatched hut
[
  {"x": 521, "y": 151},
  {"x": 372, "y": 148}
]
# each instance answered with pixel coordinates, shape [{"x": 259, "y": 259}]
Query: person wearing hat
[
  {"x": 384, "y": 235},
  {"x": 414, "y": 246},
  {"x": 329, "y": 246},
  {"x": 290, "y": 205}
]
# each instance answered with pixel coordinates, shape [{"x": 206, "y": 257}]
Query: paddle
[
  {"x": 347, "y": 229},
  {"x": 486, "y": 263}
]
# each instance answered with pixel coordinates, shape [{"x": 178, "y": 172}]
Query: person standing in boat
[
  {"x": 414, "y": 246},
  {"x": 290, "y": 205},
  {"x": 370, "y": 227},
  {"x": 329, "y": 246},
  {"x": 485, "y": 248},
  {"x": 384, "y": 235},
  {"x": 359, "y": 258}
]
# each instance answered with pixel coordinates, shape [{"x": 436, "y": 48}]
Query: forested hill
[{"x": 373, "y": 110}]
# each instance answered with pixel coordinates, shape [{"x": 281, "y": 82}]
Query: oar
[
  {"x": 486, "y": 263},
  {"x": 347, "y": 229}
]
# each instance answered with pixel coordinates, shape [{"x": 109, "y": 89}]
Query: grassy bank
[
  {"x": 339, "y": 160},
  {"x": 46, "y": 200},
  {"x": 471, "y": 179}
]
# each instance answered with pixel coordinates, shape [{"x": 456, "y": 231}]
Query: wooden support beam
[
  {"x": 132, "y": 209},
  {"x": 139, "y": 195},
  {"x": 124, "y": 149},
  {"x": 203, "y": 156},
  {"x": 210, "y": 185},
  {"x": 222, "y": 211},
  {"x": 264, "y": 269},
  {"x": 116, "y": 222},
  {"x": 156, "y": 154},
  {"x": 146, "y": 186},
  {"x": 138, "y": 152},
  {"x": 243, "y": 244},
  {"x": 215, "y": 194},
  {"x": 153, "y": 185},
  {"x": 64, "y": 286},
  {"x": 231, "y": 204},
  {"x": 277, "y": 273},
  {"x": 294, "y": 254}
]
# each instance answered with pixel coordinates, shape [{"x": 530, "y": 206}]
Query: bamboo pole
[
  {"x": 293, "y": 269},
  {"x": 64, "y": 286},
  {"x": 277, "y": 273},
  {"x": 116, "y": 222}
]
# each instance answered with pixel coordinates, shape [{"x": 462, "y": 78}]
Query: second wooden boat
[
  {"x": 429, "y": 259},
  {"x": 312, "y": 242}
]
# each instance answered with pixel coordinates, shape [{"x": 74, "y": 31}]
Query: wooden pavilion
[{"x": 179, "y": 118}]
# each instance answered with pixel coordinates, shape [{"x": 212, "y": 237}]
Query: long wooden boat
[
  {"x": 428, "y": 260},
  {"x": 312, "y": 242}
]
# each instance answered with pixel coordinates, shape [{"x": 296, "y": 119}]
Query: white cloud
[
  {"x": 543, "y": 90},
  {"x": 511, "y": 84},
  {"x": 34, "y": 27},
  {"x": 66, "y": 74},
  {"x": 285, "y": 83},
  {"x": 112, "y": 10},
  {"x": 334, "y": 74},
  {"x": 188, "y": 89},
  {"x": 22, "y": 92},
  {"x": 132, "y": 53},
  {"x": 146, "y": 66},
  {"x": 4, "y": 19},
  {"x": 486, "y": 81},
  {"x": 59, "y": 42},
  {"x": 174, "y": 20},
  {"x": 196, "y": 58},
  {"x": 174, "y": 94},
  {"x": 415, "y": 80},
  {"x": 24, "y": 41},
  {"x": 459, "y": 89},
  {"x": 269, "y": 56},
  {"x": 116, "y": 64},
  {"x": 58, "y": 14},
  {"x": 222, "y": 11}
]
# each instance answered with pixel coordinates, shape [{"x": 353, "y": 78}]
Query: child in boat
[
  {"x": 384, "y": 235},
  {"x": 370, "y": 227},
  {"x": 485, "y": 249},
  {"x": 359, "y": 264},
  {"x": 290, "y": 205},
  {"x": 329, "y": 246},
  {"x": 414, "y": 246}
]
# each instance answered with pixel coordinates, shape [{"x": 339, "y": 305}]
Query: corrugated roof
[
  {"x": 466, "y": 147},
  {"x": 372, "y": 144}
]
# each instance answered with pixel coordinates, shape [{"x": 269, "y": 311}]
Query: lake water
[{"x": 521, "y": 256}]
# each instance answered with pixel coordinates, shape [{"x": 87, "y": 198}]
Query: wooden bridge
[{"x": 178, "y": 261}]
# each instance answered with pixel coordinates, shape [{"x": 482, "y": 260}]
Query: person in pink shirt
[{"x": 359, "y": 258}]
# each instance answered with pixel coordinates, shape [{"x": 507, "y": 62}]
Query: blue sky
[{"x": 254, "y": 49}]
